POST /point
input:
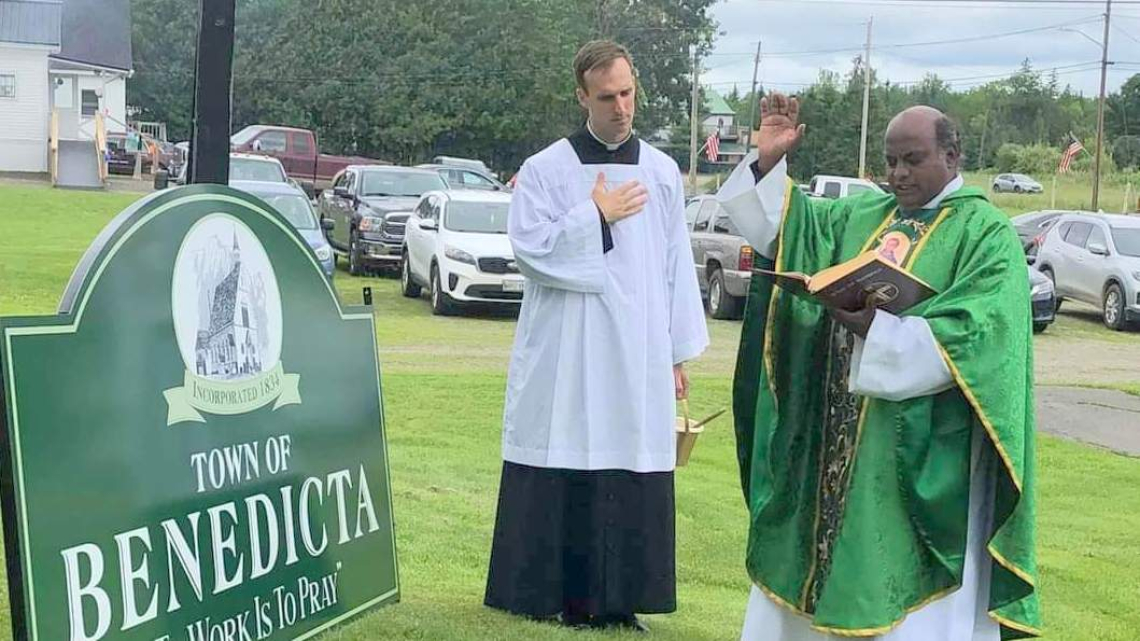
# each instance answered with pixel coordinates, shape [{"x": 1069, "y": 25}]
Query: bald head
[
  {"x": 922, "y": 152},
  {"x": 927, "y": 121}
]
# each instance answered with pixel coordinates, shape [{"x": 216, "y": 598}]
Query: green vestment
[{"x": 858, "y": 506}]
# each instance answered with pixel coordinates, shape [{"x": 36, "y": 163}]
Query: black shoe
[
  {"x": 575, "y": 620},
  {"x": 623, "y": 621}
]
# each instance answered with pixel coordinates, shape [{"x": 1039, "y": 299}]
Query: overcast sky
[{"x": 788, "y": 28}]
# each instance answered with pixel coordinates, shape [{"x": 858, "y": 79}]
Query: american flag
[
  {"x": 712, "y": 147},
  {"x": 1070, "y": 152}
]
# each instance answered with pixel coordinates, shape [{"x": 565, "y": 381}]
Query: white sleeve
[
  {"x": 687, "y": 328},
  {"x": 561, "y": 249},
  {"x": 756, "y": 207},
  {"x": 899, "y": 360}
]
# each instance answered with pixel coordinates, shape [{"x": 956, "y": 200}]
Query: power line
[
  {"x": 1125, "y": 33},
  {"x": 929, "y": 43},
  {"x": 1061, "y": 70}
]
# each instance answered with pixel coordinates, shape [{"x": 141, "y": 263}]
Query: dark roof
[
  {"x": 225, "y": 301},
  {"x": 97, "y": 32},
  {"x": 32, "y": 22}
]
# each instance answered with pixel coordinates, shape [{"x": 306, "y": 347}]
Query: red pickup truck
[{"x": 298, "y": 152}]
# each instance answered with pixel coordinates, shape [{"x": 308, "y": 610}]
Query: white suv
[{"x": 456, "y": 245}]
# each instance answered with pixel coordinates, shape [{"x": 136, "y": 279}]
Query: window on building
[
  {"x": 7, "y": 85},
  {"x": 90, "y": 102}
]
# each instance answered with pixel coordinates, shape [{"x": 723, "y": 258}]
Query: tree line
[
  {"x": 493, "y": 80},
  {"x": 404, "y": 81},
  {"x": 1015, "y": 124}
]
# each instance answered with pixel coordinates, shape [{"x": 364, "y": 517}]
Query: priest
[
  {"x": 887, "y": 461},
  {"x": 611, "y": 312}
]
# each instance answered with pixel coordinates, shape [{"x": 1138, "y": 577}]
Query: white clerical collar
[
  {"x": 951, "y": 187},
  {"x": 610, "y": 146}
]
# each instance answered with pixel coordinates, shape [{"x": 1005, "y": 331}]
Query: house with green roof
[{"x": 719, "y": 117}]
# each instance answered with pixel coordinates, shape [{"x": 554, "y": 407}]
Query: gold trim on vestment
[
  {"x": 981, "y": 414},
  {"x": 879, "y": 230},
  {"x": 771, "y": 320},
  {"x": 1014, "y": 625},
  {"x": 926, "y": 237},
  {"x": 1008, "y": 565},
  {"x": 853, "y": 632}
]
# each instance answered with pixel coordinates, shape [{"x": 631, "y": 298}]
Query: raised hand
[
  {"x": 628, "y": 199},
  {"x": 780, "y": 129}
]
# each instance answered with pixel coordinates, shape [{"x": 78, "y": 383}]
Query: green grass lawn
[{"x": 444, "y": 380}]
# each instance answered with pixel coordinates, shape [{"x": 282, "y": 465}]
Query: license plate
[{"x": 512, "y": 285}]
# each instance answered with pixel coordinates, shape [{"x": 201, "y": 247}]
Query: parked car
[
  {"x": 368, "y": 206},
  {"x": 838, "y": 186},
  {"x": 457, "y": 246},
  {"x": 1043, "y": 299},
  {"x": 477, "y": 165},
  {"x": 466, "y": 178},
  {"x": 121, "y": 155},
  {"x": 1017, "y": 183},
  {"x": 243, "y": 168},
  {"x": 1095, "y": 258},
  {"x": 1032, "y": 227},
  {"x": 298, "y": 152},
  {"x": 723, "y": 258},
  {"x": 292, "y": 203}
]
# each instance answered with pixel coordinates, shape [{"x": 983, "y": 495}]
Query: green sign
[{"x": 195, "y": 443}]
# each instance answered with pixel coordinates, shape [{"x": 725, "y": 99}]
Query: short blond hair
[{"x": 598, "y": 54}]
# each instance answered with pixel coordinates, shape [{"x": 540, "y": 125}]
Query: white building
[{"x": 68, "y": 56}]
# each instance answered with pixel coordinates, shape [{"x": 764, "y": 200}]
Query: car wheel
[
  {"x": 1039, "y": 327},
  {"x": 722, "y": 305},
  {"x": 354, "y": 259},
  {"x": 1114, "y": 307},
  {"x": 1017, "y": 189},
  {"x": 407, "y": 285},
  {"x": 441, "y": 303}
]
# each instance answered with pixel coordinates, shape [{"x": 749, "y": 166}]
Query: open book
[{"x": 848, "y": 285}]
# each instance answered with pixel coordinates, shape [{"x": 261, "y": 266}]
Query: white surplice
[
  {"x": 590, "y": 384},
  {"x": 898, "y": 360}
]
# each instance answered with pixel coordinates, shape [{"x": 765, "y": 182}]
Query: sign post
[{"x": 194, "y": 446}]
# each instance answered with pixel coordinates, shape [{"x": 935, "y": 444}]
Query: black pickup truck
[{"x": 368, "y": 206}]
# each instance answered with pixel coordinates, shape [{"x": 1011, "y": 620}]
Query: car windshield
[
  {"x": 400, "y": 183},
  {"x": 1127, "y": 240},
  {"x": 266, "y": 171},
  {"x": 244, "y": 136},
  {"x": 295, "y": 208},
  {"x": 855, "y": 188},
  {"x": 477, "y": 218},
  {"x": 1022, "y": 177}
]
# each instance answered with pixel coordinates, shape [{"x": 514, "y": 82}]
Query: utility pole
[
  {"x": 982, "y": 146},
  {"x": 866, "y": 101},
  {"x": 755, "y": 99},
  {"x": 693, "y": 123},
  {"x": 1100, "y": 107}
]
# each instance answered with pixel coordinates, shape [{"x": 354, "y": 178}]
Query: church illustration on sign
[{"x": 230, "y": 342}]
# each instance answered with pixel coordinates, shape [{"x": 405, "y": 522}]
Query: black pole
[{"x": 213, "y": 83}]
